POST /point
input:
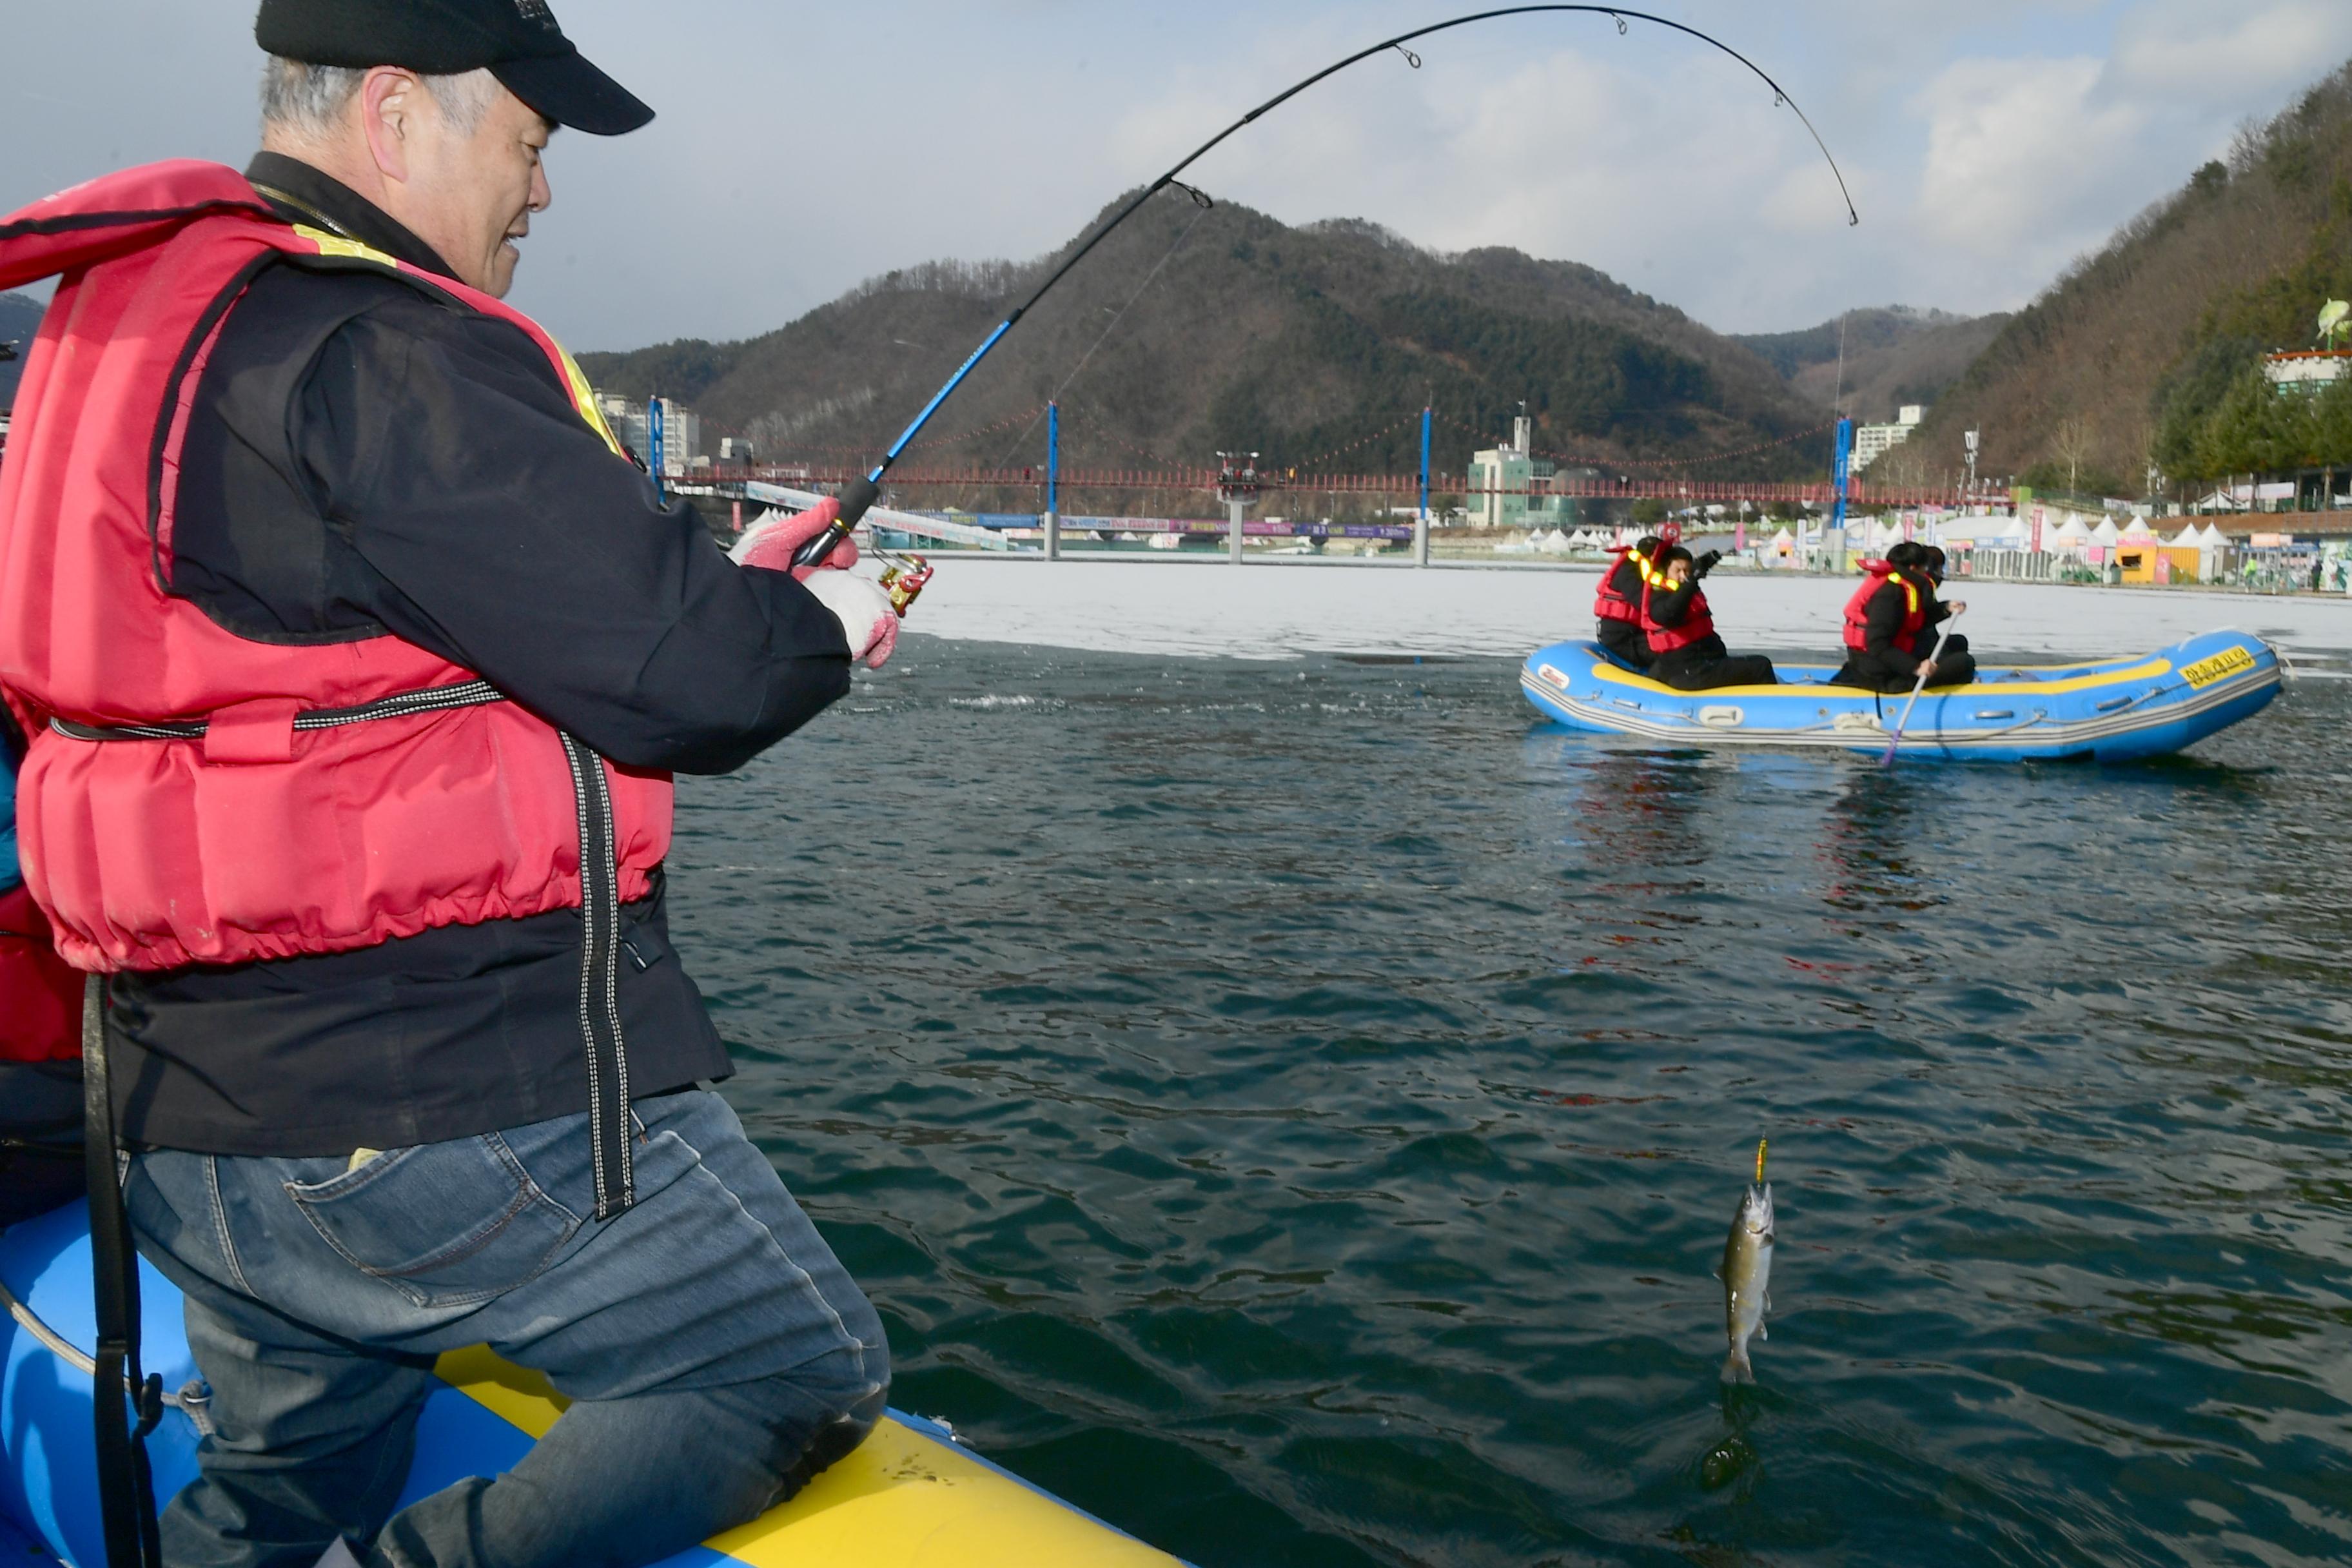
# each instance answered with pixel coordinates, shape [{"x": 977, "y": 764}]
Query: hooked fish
[{"x": 1747, "y": 1278}]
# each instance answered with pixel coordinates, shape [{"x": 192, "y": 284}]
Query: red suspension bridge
[{"x": 1860, "y": 496}]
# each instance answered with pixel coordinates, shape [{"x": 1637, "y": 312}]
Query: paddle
[{"x": 1919, "y": 685}]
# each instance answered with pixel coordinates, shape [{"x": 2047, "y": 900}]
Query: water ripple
[{"x": 1294, "y": 1111}]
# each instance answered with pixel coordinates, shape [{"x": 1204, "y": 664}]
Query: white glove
[{"x": 867, "y": 618}]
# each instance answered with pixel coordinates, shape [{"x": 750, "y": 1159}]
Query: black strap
[
  {"x": 431, "y": 700},
  {"x": 126, "y": 1487},
  {"x": 600, "y": 1007}
]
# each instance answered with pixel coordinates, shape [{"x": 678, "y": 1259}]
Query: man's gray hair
[{"x": 310, "y": 100}]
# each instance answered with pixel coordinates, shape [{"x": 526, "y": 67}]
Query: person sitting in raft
[
  {"x": 1684, "y": 652},
  {"x": 1888, "y": 624},
  {"x": 1617, "y": 605}
]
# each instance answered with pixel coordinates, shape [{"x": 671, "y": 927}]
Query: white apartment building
[{"x": 1872, "y": 441}]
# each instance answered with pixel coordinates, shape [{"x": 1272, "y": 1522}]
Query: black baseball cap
[{"x": 518, "y": 40}]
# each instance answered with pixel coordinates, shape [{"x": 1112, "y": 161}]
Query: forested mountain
[
  {"x": 2147, "y": 351},
  {"x": 1295, "y": 342},
  {"x": 1882, "y": 358},
  {"x": 20, "y": 318}
]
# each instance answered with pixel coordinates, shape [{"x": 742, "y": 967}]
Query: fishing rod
[{"x": 864, "y": 492}]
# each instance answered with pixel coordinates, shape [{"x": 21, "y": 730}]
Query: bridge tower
[{"x": 1238, "y": 486}]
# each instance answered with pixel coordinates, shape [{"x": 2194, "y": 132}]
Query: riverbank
[{"x": 1282, "y": 610}]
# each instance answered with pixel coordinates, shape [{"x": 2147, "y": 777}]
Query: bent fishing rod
[{"x": 863, "y": 493}]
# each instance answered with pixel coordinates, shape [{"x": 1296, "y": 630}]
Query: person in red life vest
[
  {"x": 1684, "y": 651},
  {"x": 1617, "y": 605},
  {"x": 1890, "y": 624},
  {"x": 41, "y": 1034},
  {"x": 355, "y": 661}
]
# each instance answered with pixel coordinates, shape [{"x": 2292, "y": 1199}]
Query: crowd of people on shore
[{"x": 1651, "y": 614}]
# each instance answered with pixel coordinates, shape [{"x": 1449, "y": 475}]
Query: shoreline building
[
  {"x": 681, "y": 432},
  {"x": 2305, "y": 372},
  {"x": 1871, "y": 442},
  {"x": 1500, "y": 479}
]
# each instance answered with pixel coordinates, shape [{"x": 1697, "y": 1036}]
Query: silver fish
[{"x": 1746, "y": 1278}]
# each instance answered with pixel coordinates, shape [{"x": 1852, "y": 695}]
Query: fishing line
[
  {"x": 863, "y": 494},
  {"x": 1132, "y": 298},
  {"x": 1200, "y": 199}
]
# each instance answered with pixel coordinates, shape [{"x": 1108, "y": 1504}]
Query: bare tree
[{"x": 2071, "y": 443}]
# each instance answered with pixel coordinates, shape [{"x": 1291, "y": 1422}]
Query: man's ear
[{"x": 388, "y": 109}]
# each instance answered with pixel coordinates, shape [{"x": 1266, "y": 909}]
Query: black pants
[
  {"x": 1689, "y": 671},
  {"x": 1954, "y": 666},
  {"x": 1624, "y": 642}
]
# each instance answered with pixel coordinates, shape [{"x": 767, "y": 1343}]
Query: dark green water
[{"x": 1293, "y": 1111}]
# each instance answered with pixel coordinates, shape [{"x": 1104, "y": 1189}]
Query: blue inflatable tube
[
  {"x": 911, "y": 1494},
  {"x": 2112, "y": 710}
]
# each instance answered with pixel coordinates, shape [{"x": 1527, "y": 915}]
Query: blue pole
[
  {"x": 1839, "y": 475},
  {"x": 1424, "y": 464},
  {"x": 654, "y": 440},
  {"x": 1053, "y": 456}
]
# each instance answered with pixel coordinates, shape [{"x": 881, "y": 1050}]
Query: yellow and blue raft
[
  {"x": 2117, "y": 709},
  {"x": 912, "y": 1495}
]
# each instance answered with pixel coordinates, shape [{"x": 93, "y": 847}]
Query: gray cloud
[{"x": 801, "y": 148}]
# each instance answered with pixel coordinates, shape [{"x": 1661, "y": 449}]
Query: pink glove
[{"x": 770, "y": 544}]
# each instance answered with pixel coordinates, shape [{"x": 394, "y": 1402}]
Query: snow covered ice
[{"x": 1280, "y": 610}]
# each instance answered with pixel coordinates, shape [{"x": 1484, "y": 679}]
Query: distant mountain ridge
[
  {"x": 1871, "y": 362},
  {"x": 1311, "y": 344},
  {"x": 2126, "y": 360}
]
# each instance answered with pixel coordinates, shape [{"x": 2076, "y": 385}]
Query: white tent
[
  {"x": 2186, "y": 539},
  {"x": 1987, "y": 532},
  {"x": 2137, "y": 531},
  {"x": 2106, "y": 533},
  {"x": 2211, "y": 538},
  {"x": 1552, "y": 543},
  {"x": 2070, "y": 535}
]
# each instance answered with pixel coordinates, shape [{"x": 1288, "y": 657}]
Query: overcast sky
[{"x": 802, "y": 147}]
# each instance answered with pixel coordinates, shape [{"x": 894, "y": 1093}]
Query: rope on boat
[{"x": 193, "y": 1400}]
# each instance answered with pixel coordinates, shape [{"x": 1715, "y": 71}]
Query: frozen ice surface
[{"x": 1279, "y": 610}]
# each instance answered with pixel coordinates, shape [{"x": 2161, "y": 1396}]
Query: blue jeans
[{"x": 716, "y": 1354}]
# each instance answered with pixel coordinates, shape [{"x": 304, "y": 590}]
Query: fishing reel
[{"x": 903, "y": 577}]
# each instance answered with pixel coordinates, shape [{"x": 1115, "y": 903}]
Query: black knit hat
[{"x": 518, "y": 40}]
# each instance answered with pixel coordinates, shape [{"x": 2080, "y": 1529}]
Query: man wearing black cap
[{"x": 356, "y": 659}]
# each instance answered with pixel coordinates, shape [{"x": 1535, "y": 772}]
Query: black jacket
[{"x": 362, "y": 458}]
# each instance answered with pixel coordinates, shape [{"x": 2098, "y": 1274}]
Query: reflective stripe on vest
[{"x": 1608, "y": 604}]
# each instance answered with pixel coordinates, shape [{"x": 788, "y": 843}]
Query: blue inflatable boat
[
  {"x": 911, "y": 1494},
  {"x": 2116, "y": 710}
]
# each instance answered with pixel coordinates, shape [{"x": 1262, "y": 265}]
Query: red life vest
[
  {"x": 1698, "y": 623},
  {"x": 1876, "y": 574},
  {"x": 201, "y": 797},
  {"x": 1612, "y": 603}
]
